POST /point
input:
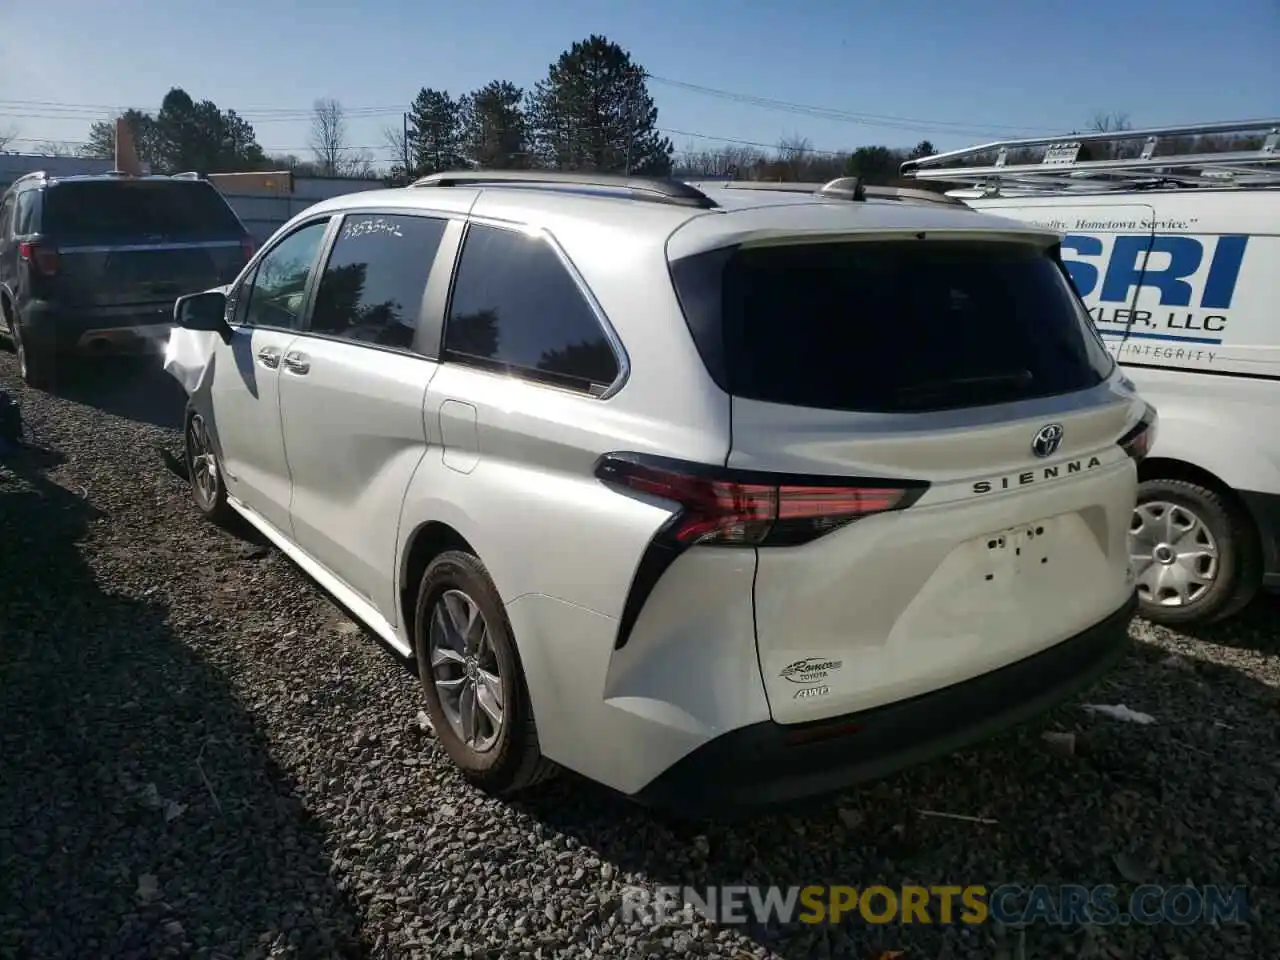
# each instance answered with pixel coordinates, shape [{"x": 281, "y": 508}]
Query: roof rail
[
  {"x": 652, "y": 189},
  {"x": 188, "y": 175},
  {"x": 845, "y": 188},
  {"x": 986, "y": 167},
  {"x": 841, "y": 188},
  {"x": 33, "y": 175}
]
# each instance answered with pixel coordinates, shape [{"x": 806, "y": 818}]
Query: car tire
[
  {"x": 36, "y": 366},
  {"x": 204, "y": 471},
  {"x": 1228, "y": 565},
  {"x": 501, "y": 756}
]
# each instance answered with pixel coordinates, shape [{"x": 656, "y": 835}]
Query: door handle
[
  {"x": 296, "y": 362},
  {"x": 269, "y": 357}
]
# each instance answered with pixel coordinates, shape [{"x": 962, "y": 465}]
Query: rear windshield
[
  {"x": 896, "y": 326},
  {"x": 107, "y": 209}
]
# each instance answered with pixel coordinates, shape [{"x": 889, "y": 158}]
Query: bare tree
[
  {"x": 397, "y": 145},
  {"x": 7, "y": 136},
  {"x": 357, "y": 164},
  {"x": 334, "y": 156},
  {"x": 1114, "y": 122},
  {"x": 329, "y": 136},
  {"x": 53, "y": 148}
]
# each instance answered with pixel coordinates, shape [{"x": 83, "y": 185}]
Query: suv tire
[
  {"x": 36, "y": 366},
  {"x": 204, "y": 472},
  {"x": 501, "y": 757},
  {"x": 1239, "y": 572}
]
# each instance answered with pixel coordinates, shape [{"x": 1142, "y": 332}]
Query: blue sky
[{"x": 957, "y": 73}]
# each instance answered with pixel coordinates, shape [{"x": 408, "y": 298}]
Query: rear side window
[
  {"x": 516, "y": 308},
  {"x": 372, "y": 286},
  {"x": 24, "y": 220},
  {"x": 899, "y": 326},
  {"x": 109, "y": 210}
]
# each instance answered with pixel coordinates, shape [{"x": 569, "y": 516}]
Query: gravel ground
[{"x": 201, "y": 756}]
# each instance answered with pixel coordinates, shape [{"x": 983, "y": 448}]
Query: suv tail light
[
  {"x": 726, "y": 507},
  {"x": 43, "y": 258},
  {"x": 1137, "y": 442}
]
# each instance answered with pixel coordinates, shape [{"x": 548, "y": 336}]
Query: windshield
[{"x": 114, "y": 209}]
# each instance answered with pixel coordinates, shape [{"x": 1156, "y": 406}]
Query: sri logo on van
[
  {"x": 1028, "y": 477},
  {"x": 1166, "y": 263},
  {"x": 810, "y": 670}
]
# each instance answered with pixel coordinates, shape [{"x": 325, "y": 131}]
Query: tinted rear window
[
  {"x": 138, "y": 209},
  {"x": 890, "y": 326}
]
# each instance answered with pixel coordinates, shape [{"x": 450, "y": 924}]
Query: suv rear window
[
  {"x": 110, "y": 209},
  {"x": 890, "y": 326}
]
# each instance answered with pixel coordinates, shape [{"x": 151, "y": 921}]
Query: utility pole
[
  {"x": 631, "y": 127},
  {"x": 404, "y": 119}
]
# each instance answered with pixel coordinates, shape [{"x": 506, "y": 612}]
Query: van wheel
[
  {"x": 472, "y": 679},
  {"x": 204, "y": 473},
  {"x": 1195, "y": 554}
]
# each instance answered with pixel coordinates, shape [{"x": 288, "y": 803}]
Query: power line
[
  {"x": 668, "y": 131},
  {"x": 845, "y": 116},
  {"x": 57, "y": 109},
  {"x": 279, "y": 114}
]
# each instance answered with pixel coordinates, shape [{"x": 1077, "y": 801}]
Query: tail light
[
  {"x": 723, "y": 507},
  {"x": 1138, "y": 442},
  {"x": 737, "y": 508},
  {"x": 43, "y": 258}
]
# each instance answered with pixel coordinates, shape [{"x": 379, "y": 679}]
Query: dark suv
[{"x": 93, "y": 264}]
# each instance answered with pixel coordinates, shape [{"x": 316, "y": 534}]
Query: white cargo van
[{"x": 1177, "y": 258}]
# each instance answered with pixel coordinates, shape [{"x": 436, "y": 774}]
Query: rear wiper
[{"x": 936, "y": 388}]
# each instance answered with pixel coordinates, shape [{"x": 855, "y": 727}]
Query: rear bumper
[
  {"x": 1265, "y": 508},
  {"x": 768, "y": 763},
  {"x": 135, "y": 328}
]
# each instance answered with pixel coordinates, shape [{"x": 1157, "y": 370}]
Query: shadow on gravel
[
  {"x": 1167, "y": 803},
  {"x": 135, "y": 388},
  {"x": 140, "y": 812},
  {"x": 1257, "y": 627}
]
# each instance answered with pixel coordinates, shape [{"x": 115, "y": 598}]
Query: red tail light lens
[
  {"x": 43, "y": 259},
  {"x": 1138, "y": 442},
  {"x": 732, "y": 508}
]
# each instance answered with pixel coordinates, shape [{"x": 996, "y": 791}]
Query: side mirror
[{"x": 203, "y": 311}]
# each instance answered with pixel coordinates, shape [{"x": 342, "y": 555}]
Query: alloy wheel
[
  {"x": 204, "y": 465},
  {"x": 465, "y": 670}
]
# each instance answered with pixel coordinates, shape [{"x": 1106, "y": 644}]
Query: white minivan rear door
[{"x": 925, "y": 440}]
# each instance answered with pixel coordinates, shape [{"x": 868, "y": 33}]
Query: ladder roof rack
[
  {"x": 650, "y": 189},
  {"x": 987, "y": 169}
]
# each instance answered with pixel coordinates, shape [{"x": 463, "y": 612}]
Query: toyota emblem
[{"x": 1047, "y": 440}]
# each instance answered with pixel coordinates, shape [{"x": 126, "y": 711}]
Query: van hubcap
[
  {"x": 464, "y": 667},
  {"x": 1173, "y": 554}
]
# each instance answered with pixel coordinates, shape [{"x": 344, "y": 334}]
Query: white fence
[{"x": 264, "y": 213}]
